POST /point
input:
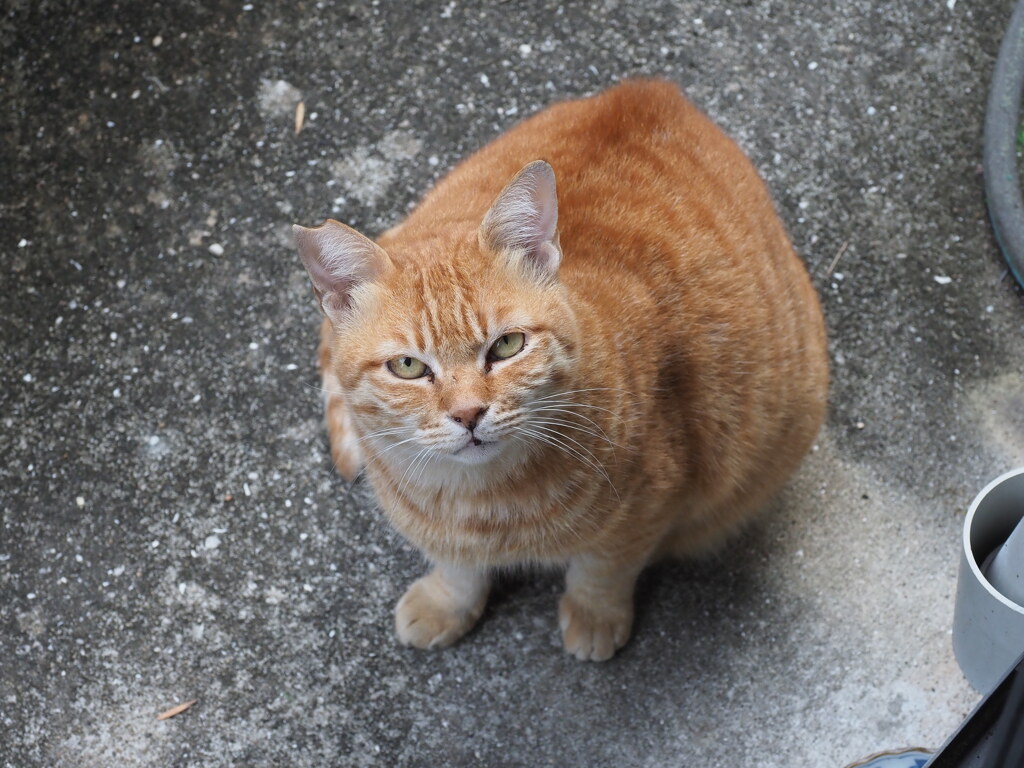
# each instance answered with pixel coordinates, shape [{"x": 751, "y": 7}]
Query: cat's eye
[
  {"x": 407, "y": 367},
  {"x": 506, "y": 346}
]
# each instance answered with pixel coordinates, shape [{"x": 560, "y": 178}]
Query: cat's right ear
[{"x": 338, "y": 260}]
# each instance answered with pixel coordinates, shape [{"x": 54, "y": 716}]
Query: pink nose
[{"x": 468, "y": 417}]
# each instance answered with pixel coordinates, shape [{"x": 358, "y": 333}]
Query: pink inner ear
[
  {"x": 546, "y": 201},
  {"x": 322, "y": 279},
  {"x": 336, "y": 302}
]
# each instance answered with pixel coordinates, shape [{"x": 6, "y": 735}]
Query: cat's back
[{"x": 620, "y": 157}]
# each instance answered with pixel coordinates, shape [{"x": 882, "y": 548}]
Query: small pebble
[
  {"x": 157, "y": 41},
  {"x": 80, "y": 501},
  {"x": 216, "y": 249},
  {"x": 943, "y": 280}
]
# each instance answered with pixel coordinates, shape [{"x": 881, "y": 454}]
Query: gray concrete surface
[{"x": 171, "y": 527}]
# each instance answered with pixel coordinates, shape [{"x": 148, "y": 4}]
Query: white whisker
[
  {"x": 557, "y": 406},
  {"x": 546, "y": 435},
  {"x": 588, "y": 389},
  {"x": 548, "y": 409},
  {"x": 574, "y": 404},
  {"x": 384, "y": 450},
  {"x": 323, "y": 390},
  {"x": 554, "y": 432},
  {"x": 570, "y": 425},
  {"x": 408, "y": 469},
  {"x": 384, "y": 432}
]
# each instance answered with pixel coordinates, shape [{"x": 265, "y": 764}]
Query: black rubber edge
[
  {"x": 976, "y": 735},
  {"x": 1002, "y": 121}
]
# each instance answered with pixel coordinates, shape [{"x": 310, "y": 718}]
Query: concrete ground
[{"x": 171, "y": 526}]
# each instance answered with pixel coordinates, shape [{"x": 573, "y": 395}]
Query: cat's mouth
[{"x": 476, "y": 450}]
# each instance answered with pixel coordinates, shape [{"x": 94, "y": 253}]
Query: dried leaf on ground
[{"x": 176, "y": 710}]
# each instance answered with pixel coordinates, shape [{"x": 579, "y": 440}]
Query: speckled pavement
[{"x": 170, "y": 525}]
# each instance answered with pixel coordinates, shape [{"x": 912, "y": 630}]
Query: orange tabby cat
[{"x": 624, "y": 370}]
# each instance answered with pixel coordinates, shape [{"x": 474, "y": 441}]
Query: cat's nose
[{"x": 468, "y": 417}]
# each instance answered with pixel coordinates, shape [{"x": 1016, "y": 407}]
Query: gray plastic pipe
[
  {"x": 1005, "y": 568},
  {"x": 988, "y": 625}
]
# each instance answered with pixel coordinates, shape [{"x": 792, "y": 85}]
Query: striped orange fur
[{"x": 672, "y": 372}]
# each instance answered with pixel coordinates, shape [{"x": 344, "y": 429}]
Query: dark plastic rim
[{"x": 1002, "y": 121}]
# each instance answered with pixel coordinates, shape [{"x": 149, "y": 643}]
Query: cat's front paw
[
  {"x": 430, "y": 616},
  {"x": 593, "y": 633}
]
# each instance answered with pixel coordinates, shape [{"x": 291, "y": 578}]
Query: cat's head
[{"x": 446, "y": 352}]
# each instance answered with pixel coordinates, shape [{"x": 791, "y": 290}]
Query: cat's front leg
[
  {"x": 442, "y": 606},
  {"x": 596, "y": 611}
]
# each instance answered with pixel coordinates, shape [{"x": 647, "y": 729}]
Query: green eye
[
  {"x": 508, "y": 345},
  {"x": 407, "y": 367}
]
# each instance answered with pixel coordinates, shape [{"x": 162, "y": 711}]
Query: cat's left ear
[
  {"x": 338, "y": 260},
  {"x": 523, "y": 220}
]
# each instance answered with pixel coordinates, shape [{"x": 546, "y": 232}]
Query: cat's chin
[{"x": 471, "y": 454}]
